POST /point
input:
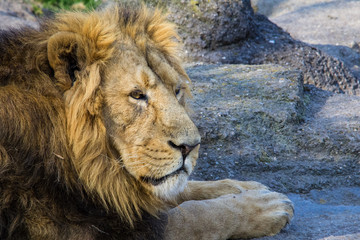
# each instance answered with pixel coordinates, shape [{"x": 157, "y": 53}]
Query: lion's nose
[{"x": 185, "y": 149}]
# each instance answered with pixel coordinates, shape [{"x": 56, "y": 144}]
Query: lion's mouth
[{"x": 157, "y": 181}]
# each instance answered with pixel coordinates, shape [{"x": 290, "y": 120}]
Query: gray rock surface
[
  {"x": 258, "y": 119},
  {"x": 15, "y": 14},
  {"x": 344, "y": 237},
  {"x": 211, "y": 24}
]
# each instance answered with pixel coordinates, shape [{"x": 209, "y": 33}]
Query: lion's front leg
[
  {"x": 250, "y": 211},
  {"x": 201, "y": 190}
]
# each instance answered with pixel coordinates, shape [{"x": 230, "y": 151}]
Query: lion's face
[{"x": 147, "y": 123}]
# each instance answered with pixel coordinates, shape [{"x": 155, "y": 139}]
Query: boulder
[
  {"x": 258, "y": 121},
  {"x": 15, "y": 14},
  {"x": 211, "y": 24}
]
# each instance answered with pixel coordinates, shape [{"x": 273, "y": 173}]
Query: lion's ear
[{"x": 66, "y": 54}]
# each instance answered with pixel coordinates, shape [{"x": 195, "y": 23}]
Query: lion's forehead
[{"x": 141, "y": 72}]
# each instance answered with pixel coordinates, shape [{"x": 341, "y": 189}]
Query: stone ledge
[
  {"x": 344, "y": 237},
  {"x": 243, "y": 102},
  {"x": 259, "y": 122}
]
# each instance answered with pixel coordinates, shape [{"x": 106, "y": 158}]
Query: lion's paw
[
  {"x": 249, "y": 214},
  {"x": 261, "y": 213}
]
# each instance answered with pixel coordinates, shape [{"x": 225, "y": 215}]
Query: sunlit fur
[{"x": 67, "y": 120}]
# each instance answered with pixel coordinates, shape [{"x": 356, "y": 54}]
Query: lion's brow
[{"x": 147, "y": 80}]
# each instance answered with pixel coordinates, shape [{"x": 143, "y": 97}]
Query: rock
[
  {"x": 344, "y": 237},
  {"x": 241, "y": 102},
  {"x": 355, "y": 46},
  {"x": 15, "y": 14},
  {"x": 211, "y": 24},
  {"x": 258, "y": 120}
]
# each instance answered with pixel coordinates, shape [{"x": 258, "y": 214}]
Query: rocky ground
[
  {"x": 260, "y": 122},
  {"x": 14, "y": 14}
]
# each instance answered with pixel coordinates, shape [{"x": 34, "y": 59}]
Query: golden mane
[
  {"x": 74, "y": 142},
  {"x": 95, "y": 165}
]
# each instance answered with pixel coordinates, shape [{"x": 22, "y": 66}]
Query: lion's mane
[{"x": 55, "y": 162}]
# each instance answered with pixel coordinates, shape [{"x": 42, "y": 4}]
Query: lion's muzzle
[{"x": 185, "y": 149}]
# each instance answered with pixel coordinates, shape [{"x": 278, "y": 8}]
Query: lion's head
[{"x": 131, "y": 140}]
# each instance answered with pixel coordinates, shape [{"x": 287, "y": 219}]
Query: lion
[{"x": 96, "y": 141}]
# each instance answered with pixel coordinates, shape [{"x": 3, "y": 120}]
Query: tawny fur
[{"x": 56, "y": 163}]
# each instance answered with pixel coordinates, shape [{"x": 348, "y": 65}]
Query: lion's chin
[{"x": 171, "y": 186}]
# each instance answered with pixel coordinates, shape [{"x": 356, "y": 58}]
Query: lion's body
[{"x": 95, "y": 140}]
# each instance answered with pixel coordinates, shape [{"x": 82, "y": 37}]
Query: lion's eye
[
  {"x": 177, "y": 91},
  {"x": 138, "y": 95}
]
